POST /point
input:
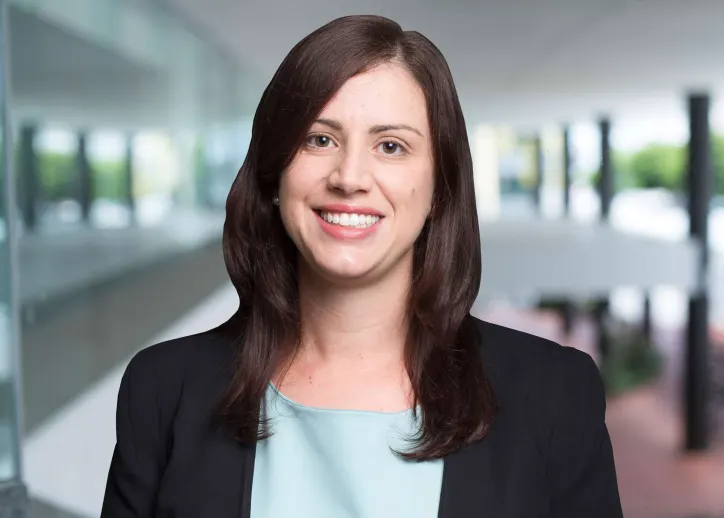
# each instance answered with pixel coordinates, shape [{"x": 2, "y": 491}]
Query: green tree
[
  {"x": 717, "y": 151},
  {"x": 624, "y": 178},
  {"x": 656, "y": 165},
  {"x": 57, "y": 172},
  {"x": 108, "y": 181},
  {"x": 664, "y": 166}
]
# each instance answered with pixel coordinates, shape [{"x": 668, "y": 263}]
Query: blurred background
[{"x": 597, "y": 130}]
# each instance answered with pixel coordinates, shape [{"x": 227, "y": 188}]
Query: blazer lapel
[
  {"x": 501, "y": 476},
  {"x": 211, "y": 474},
  {"x": 221, "y": 478},
  {"x": 247, "y": 478}
]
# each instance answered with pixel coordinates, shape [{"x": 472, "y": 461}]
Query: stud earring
[{"x": 275, "y": 200}]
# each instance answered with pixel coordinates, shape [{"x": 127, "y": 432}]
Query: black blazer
[{"x": 548, "y": 454}]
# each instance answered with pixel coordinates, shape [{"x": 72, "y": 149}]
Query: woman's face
[{"x": 357, "y": 195}]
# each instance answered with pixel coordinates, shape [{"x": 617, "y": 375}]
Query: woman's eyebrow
[
  {"x": 387, "y": 127},
  {"x": 329, "y": 122},
  {"x": 379, "y": 128}
]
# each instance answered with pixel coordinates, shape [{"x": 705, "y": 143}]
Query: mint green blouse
[{"x": 323, "y": 463}]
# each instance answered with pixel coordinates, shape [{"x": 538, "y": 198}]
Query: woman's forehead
[{"x": 387, "y": 94}]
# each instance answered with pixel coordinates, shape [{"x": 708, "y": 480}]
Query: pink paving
[{"x": 656, "y": 479}]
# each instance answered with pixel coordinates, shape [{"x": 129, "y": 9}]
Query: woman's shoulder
[
  {"x": 162, "y": 370},
  {"x": 512, "y": 347},
  {"x": 557, "y": 394},
  {"x": 176, "y": 355},
  {"x": 530, "y": 370}
]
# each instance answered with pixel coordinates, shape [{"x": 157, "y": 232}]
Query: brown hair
[{"x": 442, "y": 356}]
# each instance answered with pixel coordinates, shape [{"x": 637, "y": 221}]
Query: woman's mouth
[{"x": 349, "y": 220}]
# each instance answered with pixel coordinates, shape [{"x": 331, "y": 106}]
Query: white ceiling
[
  {"x": 57, "y": 76},
  {"x": 520, "y": 61},
  {"x": 62, "y": 76}
]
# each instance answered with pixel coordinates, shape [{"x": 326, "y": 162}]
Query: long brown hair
[{"x": 442, "y": 356}]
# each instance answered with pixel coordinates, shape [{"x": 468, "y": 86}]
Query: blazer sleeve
[
  {"x": 138, "y": 458},
  {"x": 582, "y": 473}
]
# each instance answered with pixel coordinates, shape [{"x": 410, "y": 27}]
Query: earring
[{"x": 275, "y": 200}]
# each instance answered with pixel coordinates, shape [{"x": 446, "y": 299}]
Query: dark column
[
  {"x": 605, "y": 191},
  {"x": 646, "y": 326},
  {"x": 128, "y": 178},
  {"x": 568, "y": 316},
  {"x": 85, "y": 177},
  {"x": 538, "y": 160},
  {"x": 568, "y": 311},
  {"x": 700, "y": 186},
  {"x": 28, "y": 176},
  {"x": 605, "y": 181},
  {"x": 566, "y": 171}
]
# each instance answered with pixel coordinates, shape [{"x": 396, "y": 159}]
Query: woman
[{"x": 352, "y": 381}]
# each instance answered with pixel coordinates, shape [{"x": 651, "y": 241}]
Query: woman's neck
[
  {"x": 351, "y": 324},
  {"x": 352, "y": 353}
]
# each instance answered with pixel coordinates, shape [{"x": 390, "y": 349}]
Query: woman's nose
[{"x": 351, "y": 173}]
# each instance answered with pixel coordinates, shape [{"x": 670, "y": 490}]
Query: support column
[
  {"x": 697, "y": 363},
  {"x": 605, "y": 191},
  {"x": 484, "y": 147},
  {"x": 605, "y": 181},
  {"x": 28, "y": 176},
  {"x": 538, "y": 186},
  {"x": 128, "y": 179},
  {"x": 85, "y": 179},
  {"x": 646, "y": 324},
  {"x": 568, "y": 311},
  {"x": 13, "y": 493},
  {"x": 566, "y": 171}
]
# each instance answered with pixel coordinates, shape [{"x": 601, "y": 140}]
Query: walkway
[{"x": 60, "y": 263}]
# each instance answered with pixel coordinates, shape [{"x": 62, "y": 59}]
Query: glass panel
[
  {"x": 9, "y": 426},
  {"x": 129, "y": 129}
]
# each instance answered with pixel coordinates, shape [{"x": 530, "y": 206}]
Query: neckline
[{"x": 336, "y": 411}]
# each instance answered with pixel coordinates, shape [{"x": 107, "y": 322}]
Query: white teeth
[{"x": 350, "y": 220}]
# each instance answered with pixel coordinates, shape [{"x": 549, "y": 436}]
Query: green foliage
[
  {"x": 108, "y": 181},
  {"x": 658, "y": 165},
  {"x": 717, "y": 151},
  {"x": 662, "y": 166},
  {"x": 57, "y": 175},
  {"x": 632, "y": 361},
  {"x": 622, "y": 167}
]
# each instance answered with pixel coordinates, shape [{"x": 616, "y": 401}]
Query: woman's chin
[
  {"x": 345, "y": 273},
  {"x": 348, "y": 273},
  {"x": 347, "y": 269}
]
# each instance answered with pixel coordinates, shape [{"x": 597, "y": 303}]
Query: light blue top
[{"x": 323, "y": 463}]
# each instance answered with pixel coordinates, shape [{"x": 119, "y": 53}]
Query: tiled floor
[{"x": 39, "y": 509}]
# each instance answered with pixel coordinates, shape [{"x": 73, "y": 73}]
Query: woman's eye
[
  {"x": 319, "y": 140},
  {"x": 391, "y": 148}
]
